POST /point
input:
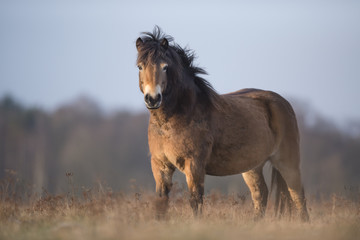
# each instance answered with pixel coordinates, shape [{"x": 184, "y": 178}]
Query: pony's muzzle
[{"x": 151, "y": 102}]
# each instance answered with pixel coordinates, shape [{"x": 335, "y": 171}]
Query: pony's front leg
[
  {"x": 162, "y": 172},
  {"x": 195, "y": 176}
]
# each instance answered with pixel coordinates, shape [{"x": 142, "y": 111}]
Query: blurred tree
[
  {"x": 80, "y": 138},
  {"x": 23, "y": 140}
]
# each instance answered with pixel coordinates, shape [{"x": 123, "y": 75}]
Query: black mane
[{"x": 152, "y": 51}]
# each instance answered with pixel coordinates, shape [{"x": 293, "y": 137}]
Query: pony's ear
[
  {"x": 139, "y": 43},
  {"x": 165, "y": 43}
]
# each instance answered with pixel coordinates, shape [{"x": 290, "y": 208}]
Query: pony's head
[
  {"x": 167, "y": 75},
  {"x": 154, "y": 62}
]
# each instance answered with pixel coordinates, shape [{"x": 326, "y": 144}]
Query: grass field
[{"x": 100, "y": 213}]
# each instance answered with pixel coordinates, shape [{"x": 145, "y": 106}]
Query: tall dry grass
[{"x": 99, "y": 213}]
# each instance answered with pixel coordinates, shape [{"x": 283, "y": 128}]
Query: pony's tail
[{"x": 283, "y": 200}]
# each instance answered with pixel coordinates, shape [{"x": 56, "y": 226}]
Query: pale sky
[{"x": 53, "y": 51}]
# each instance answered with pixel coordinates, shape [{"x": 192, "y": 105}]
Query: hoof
[
  {"x": 161, "y": 207},
  {"x": 304, "y": 216}
]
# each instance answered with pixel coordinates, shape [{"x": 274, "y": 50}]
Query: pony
[{"x": 194, "y": 129}]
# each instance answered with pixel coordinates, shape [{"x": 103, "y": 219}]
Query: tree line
[{"x": 79, "y": 141}]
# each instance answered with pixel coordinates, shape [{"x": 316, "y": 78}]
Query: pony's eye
[
  {"x": 165, "y": 68},
  {"x": 140, "y": 67}
]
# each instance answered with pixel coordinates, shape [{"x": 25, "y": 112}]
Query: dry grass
[{"x": 101, "y": 214}]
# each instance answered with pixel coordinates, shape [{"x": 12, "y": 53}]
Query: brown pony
[{"x": 197, "y": 131}]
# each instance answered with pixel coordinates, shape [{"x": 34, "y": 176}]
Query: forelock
[{"x": 151, "y": 50}]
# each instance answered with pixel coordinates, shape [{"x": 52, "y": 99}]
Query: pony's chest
[
  {"x": 168, "y": 140},
  {"x": 172, "y": 144}
]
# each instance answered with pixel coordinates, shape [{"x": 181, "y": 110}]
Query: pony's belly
[{"x": 230, "y": 166}]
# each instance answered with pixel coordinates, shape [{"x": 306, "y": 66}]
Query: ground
[{"x": 100, "y": 213}]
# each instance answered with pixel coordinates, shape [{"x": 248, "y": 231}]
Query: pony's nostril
[
  {"x": 147, "y": 98},
  {"x": 158, "y": 98}
]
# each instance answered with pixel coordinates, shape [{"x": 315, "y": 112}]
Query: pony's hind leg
[
  {"x": 254, "y": 179},
  {"x": 293, "y": 180},
  {"x": 291, "y": 175}
]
